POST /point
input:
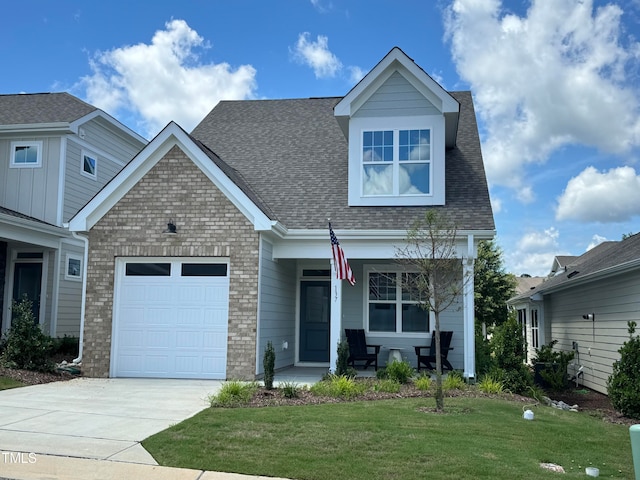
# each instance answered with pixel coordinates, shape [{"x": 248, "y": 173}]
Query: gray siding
[
  {"x": 46, "y": 296},
  {"x": 69, "y": 295},
  {"x": 397, "y": 97},
  {"x": 277, "y": 308},
  {"x": 353, "y": 316},
  {"x": 31, "y": 191},
  {"x": 614, "y": 301},
  {"x": 113, "y": 151}
]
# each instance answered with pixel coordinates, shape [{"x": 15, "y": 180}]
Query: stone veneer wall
[{"x": 208, "y": 224}]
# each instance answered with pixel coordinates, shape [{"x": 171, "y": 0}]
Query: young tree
[
  {"x": 435, "y": 274},
  {"x": 493, "y": 286}
]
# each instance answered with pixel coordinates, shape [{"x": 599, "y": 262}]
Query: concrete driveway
[{"x": 97, "y": 418}]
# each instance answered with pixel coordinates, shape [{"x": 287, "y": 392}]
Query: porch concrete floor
[{"x": 310, "y": 375}]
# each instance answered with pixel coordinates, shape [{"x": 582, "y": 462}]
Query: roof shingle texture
[
  {"x": 33, "y": 108},
  {"x": 294, "y": 156}
]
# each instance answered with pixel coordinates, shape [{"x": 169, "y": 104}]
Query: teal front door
[
  {"x": 315, "y": 310},
  {"x": 27, "y": 281}
]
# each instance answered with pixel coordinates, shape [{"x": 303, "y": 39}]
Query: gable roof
[
  {"x": 398, "y": 61},
  {"x": 229, "y": 181},
  {"x": 60, "y": 112},
  {"x": 295, "y": 156},
  {"x": 606, "y": 259},
  {"x": 39, "y": 108}
]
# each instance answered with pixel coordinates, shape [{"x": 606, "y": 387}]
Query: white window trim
[
  {"x": 74, "y": 278},
  {"x": 25, "y": 143},
  {"x": 395, "y": 165},
  {"x": 390, "y": 268},
  {"x": 434, "y": 123},
  {"x": 88, "y": 153}
]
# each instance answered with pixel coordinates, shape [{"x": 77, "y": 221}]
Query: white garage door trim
[{"x": 183, "y": 304}]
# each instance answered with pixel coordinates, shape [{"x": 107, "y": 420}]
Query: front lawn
[
  {"x": 398, "y": 439},
  {"x": 6, "y": 383}
]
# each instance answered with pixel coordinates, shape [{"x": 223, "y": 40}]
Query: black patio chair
[
  {"x": 359, "y": 349},
  {"x": 428, "y": 358}
]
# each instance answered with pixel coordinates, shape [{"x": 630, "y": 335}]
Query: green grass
[
  {"x": 396, "y": 439},
  {"x": 6, "y": 383}
]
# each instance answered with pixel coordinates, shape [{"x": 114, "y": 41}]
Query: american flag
[{"x": 343, "y": 270}]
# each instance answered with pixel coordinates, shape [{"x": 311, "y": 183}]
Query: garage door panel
[
  {"x": 214, "y": 340},
  {"x": 171, "y": 326},
  {"x": 159, "y": 316}
]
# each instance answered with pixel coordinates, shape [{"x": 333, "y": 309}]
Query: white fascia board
[
  {"x": 31, "y": 128},
  {"x": 171, "y": 135},
  {"x": 27, "y": 231},
  {"x": 358, "y": 244},
  {"x": 75, "y": 125}
]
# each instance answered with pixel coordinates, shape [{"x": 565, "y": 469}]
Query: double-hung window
[
  {"x": 396, "y": 162},
  {"x": 26, "y": 154},
  {"x": 394, "y": 304}
]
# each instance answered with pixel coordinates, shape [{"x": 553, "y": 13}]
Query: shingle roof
[
  {"x": 606, "y": 256},
  {"x": 295, "y": 157},
  {"x": 13, "y": 213},
  {"x": 25, "y": 109}
]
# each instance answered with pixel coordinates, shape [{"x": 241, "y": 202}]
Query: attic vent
[{"x": 573, "y": 274}]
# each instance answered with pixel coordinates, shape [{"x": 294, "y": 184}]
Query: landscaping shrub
[
  {"x": 338, "y": 386},
  {"x": 25, "y": 345},
  {"x": 68, "y": 346},
  {"x": 269, "y": 361},
  {"x": 623, "y": 386},
  {"x": 454, "y": 381},
  {"x": 422, "y": 382},
  {"x": 381, "y": 374},
  {"x": 508, "y": 347},
  {"x": 484, "y": 360},
  {"x": 342, "y": 367},
  {"x": 233, "y": 393},
  {"x": 387, "y": 385},
  {"x": 551, "y": 367},
  {"x": 490, "y": 384},
  {"x": 290, "y": 389},
  {"x": 401, "y": 372}
]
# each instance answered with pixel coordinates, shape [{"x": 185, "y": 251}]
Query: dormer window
[{"x": 396, "y": 162}]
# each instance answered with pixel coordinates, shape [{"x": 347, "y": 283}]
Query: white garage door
[{"x": 170, "y": 318}]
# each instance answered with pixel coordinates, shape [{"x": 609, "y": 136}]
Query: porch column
[
  {"x": 469, "y": 319},
  {"x": 336, "y": 318}
]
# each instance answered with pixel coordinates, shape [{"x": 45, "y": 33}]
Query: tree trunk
[{"x": 439, "y": 392}]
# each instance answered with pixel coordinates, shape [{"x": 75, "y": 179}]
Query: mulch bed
[
  {"x": 29, "y": 377},
  {"x": 588, "y": 401}
]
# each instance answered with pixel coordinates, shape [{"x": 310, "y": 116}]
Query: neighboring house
[
  {"x": 221, "y": 243},
  {"x": 527, "y": 313},
  {"x": 586, "y": 305},
  {"x": 56, "y": 152}
]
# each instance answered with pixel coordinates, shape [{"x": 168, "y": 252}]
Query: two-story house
[
  {"x": 56, "y": 153},
  {"x": 221, "y": 243}
]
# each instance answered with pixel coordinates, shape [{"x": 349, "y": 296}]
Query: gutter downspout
[{"x": 84, "y": 293}]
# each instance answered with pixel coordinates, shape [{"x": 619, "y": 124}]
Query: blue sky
[{"x": 556, "y": 85}]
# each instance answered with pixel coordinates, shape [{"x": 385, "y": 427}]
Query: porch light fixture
[
  {"x": 171, "y": 228},
  {"x": 589, "y": 316}
]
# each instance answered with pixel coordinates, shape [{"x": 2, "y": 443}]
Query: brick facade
[{"x": 208, "y": 225}]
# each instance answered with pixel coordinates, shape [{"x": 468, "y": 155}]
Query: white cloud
[
  {"x": 594, "y": 196},
  {"x": 316, "y": 55},
  {"x": 164, "y": 80},
  {"x": 557, "y": 76},
  {"x": 356, "y": 74},
  {"x": 595, "y": 241},
  {"x": 534, "y": 253}
]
